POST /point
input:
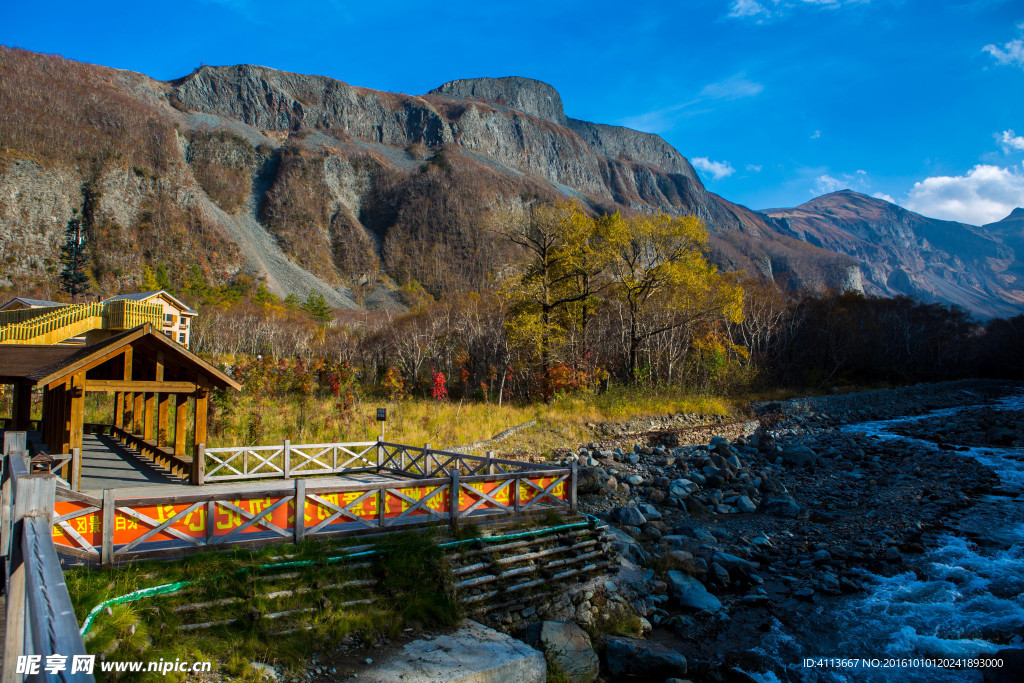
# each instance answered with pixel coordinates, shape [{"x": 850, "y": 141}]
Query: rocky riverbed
[{"x": 745, "y": 554}]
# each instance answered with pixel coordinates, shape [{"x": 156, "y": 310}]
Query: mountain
[
  {"x": 1010, "y": 231},
  {"x": 316, "y": 185},
  {"x": 312, "y": 184},
  {"x": 902, "y": 252}
]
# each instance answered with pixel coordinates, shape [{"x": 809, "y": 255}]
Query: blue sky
[{"x": 774, "y": 101}]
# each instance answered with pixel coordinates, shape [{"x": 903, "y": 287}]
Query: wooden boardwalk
[{"x": 108, "y": 464}]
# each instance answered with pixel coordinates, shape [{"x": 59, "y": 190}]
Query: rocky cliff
[
  {"x": 900, "y": 252},
  {"x": 316, "y": 185}
]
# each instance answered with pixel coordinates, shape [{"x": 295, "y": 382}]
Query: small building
[{"x": 177, "y": 315}]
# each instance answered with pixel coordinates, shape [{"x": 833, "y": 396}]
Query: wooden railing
[
  {"x": 240, "y": 463},
  {"x": 52, "y": 325},
  {"x": 40, "y": 620},
  {"x": 434, "y": 487}
]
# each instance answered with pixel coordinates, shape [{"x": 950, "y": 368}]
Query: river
[{"x": 963, "y": 597}]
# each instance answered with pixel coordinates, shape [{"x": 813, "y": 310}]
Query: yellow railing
[
  {"x": 55, "y": 325},
  {"x": 23, "y": 314}
]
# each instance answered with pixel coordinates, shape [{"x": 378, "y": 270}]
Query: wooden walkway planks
[{"x": 109, "y": 464}]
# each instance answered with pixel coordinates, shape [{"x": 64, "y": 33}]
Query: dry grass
[{"x": 564, "y": 423}]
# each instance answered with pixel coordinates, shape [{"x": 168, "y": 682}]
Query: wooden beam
[
  {"x": 113, "y": 385},
  {"x": 180, "y": 423}
]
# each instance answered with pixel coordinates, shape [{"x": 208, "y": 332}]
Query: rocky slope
[
  {"x": 902, "y": 252},
  {"x": 316, "y": 185}
]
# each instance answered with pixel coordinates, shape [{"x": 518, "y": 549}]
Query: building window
[
  {"x": 167, "y": 333},
  {"x": 181, "y": 338},
  {"x": 168, "y": 317}
]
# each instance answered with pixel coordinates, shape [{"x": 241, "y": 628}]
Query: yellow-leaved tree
[
  {"x": 661, "y": 278},
  {"x": 559, "y": 269}
]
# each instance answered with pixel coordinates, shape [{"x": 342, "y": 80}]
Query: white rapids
[{"x": 963, "y": 600}]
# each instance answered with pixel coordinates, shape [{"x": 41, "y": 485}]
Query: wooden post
[
  {"x": 287, "y": 457},
  {"x": 161, "y": 419},
  {"x": 76, "y": 470},
  {"x": 107, "y": 544},
  {"x": 147, "y": 418},
  {"x": 119, "y": 409},
  {"x": 138, "y": 416},
  {"x": 300, "y": 510},
  {"x": 202, "y": 400},
  {"x": 180, "y": 423},
  {"x": 426, "y": 457},
  {"x": 33, "y": 496},
  {"x": 77, "y": 411},
  {"x": 380, "y": 451},
  {"x": 129, "y": 408},
  {"x": 515, "y": 494},
  {"x": 198, "y": 472},
  {"x": 455, "y": 500},
  {"x": 572, "y": 489},
  {"x": 66, "y": 420},
  {"x": 490, "y": 463}
]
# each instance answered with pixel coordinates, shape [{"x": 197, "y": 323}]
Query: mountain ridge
[{"x": 345, "y": 189}]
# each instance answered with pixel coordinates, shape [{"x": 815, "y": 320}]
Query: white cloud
[
  {"x": 886, "y": 197},
  {"x": 754, "y": 168},
  {"x": 986, "y": 194},
  {"x": 717, "y": 169},
  {"x": 748, "y": 8},
  {"x": 1012, "y": 53},
  {"x": 1010, "y": 142},
  {"x": 732, "y": 88},
  {"x": 815, "y": 135},
  {"x": 761, "y": 11},
  {"x": 664, "y": 119},
  {"x": 825, "y": 184}
]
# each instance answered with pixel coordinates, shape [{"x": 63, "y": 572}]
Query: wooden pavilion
[{"x": 142, "y": 369}]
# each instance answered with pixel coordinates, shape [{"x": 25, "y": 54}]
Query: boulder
[
  {"x": 627, "y": 546},
  {"x": 641, "y": 659},
  {"x": 591, "y": 479},
  {"x": 652, "y": 513},
  {"x": 681, "y": 488},
  {"x": 745, "y": 504},
  {"x": 566, "y": 646},
  {"x": 630, "y": 515},
  {"x": 779, "y": 505},
  {"x": 691, "y": 594},
  {"x": 799, "y": 456}
]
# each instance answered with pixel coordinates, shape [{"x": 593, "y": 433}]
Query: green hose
[{"x": 169, "y": 588}]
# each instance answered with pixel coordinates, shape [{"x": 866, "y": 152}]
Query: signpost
[{"x": 382, "y": 417}]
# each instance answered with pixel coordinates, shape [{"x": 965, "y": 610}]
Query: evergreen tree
[
  {"x": 73, "y": 257},
  {"x": 318, "y": 308}
]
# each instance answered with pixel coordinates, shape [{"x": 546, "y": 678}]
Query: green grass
[{"x": 414, "y": 588}]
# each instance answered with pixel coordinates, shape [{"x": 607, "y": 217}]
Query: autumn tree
[
  {"x": 662, "y": 279},
  {"x": 559, "y": 269}
]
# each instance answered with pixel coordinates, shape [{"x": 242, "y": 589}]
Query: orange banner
[{"x": 127, "y": 528}]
